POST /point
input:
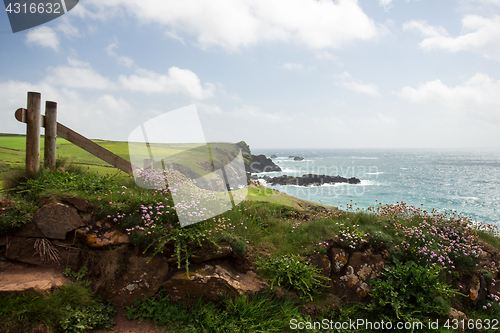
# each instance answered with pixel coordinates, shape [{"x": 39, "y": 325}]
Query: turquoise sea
[{"x": 465, "y": 180}]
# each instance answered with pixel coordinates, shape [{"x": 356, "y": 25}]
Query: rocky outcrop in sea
[{"x": 309, "y": 180}]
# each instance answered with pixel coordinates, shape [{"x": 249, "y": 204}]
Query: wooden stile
[
  {"x": 50, "y": 124},
  {"x": 33, "y": 134},
  {"x": 34, "y": 121}
]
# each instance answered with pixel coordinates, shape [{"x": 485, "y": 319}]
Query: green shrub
[
  {"x": 408, "y": 292},
  {"x": 291, "y": 272},
  {"x": 260, "y": 313}
]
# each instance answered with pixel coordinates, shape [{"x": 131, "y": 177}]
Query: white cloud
[
  {"x": 78, "y": 74},
  {"x": 479, "y": 34},
  {"x": 291, "y": 66},
  {"x": 254, "y": 113},
  {"x": 122, "y": 60},
  {"x": 477, "y": 96},
  {"x": 347, "y": 81},
  {"x": 234, "y": 24},
  {"x": 67, "y": 28},
  {"x": 424, "y": 29},
  {"x": 211, "y": 109},
  {"x": 386, "y": 120},
  {"x": 43, "y": 36},
  {"x": 387, "y": 4},
  {"x": 177, "y": 81}
]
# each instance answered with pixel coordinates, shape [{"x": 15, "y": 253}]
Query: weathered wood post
[
  {"x": 33, "y": 134},
  {"x": 50, "y": 135}
]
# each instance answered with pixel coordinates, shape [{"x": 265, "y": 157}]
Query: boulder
[
  {"x": 310, "y": 180},
  {"x": 29, "y": 230},
  {"x": 207, "y": 253},
  {"x": 55, "y": 220},
  {"x": 322, "y": 262},
  {"x": 16, "y": 277},
  {"x": 102, "y": 234},
  {"x": 211, "y": 281},
  {"x": 351, "y": 282},
  {"x": 274, "y": 156},
  {"x": 457, "y": 315},
  {"x": 339, "y": 258},
  {"x": 298, "y": 158},
  {"x": 143, "y": 277},
  {"x": 80, "y": 204},
  {"x": 42, "y": 252},
  {"x": 260, "y": 163}
]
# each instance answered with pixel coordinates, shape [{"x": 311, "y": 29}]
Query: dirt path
[
  {"x": 123, "y": 325},
  {"x": 19, "y": 277},
  {"x": 16, "y": 276}
]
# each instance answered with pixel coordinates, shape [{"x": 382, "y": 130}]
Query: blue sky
[{"x": 275, "y": 73}]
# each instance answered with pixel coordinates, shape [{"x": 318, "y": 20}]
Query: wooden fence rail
[{"x": 34, "y": 120}]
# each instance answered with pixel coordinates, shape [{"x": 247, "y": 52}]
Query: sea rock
[
  {"x": 42, "y": 252},
  {"x": 211, "y": 281},
  {"x": 55, "y": 220},
  {"x": 310, "y": 180},
  {"x": 101, "y": 235},
  {"x": 260, "y": 163},
  {"x": 274, "y": 156},
  {"x": 298, "y": 158}
]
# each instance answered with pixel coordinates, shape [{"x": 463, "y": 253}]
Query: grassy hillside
[{"x": 432, "y": 259}]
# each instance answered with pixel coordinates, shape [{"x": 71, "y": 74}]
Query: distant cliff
[{"x": 256, "y": 163}]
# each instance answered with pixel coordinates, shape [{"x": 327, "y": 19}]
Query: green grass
[
  {"x": 260, "y": 313},
  {"x": 269, "y": 224},
  {"x": 71, "y": 308}
]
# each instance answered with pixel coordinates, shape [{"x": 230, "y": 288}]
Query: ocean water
[{"x": 465, "y": 180}]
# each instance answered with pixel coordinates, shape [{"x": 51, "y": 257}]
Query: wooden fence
[{"x": 34, "y": 120}]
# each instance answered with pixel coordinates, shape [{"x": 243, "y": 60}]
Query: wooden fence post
[
  {"x": 50, "y": 135},
  {"x": 33, "y": 134}
]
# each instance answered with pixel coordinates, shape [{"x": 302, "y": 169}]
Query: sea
[{"x": 463, "y": 180}]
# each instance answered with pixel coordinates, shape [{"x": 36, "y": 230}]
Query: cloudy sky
[{"x": 275, "y": 73}]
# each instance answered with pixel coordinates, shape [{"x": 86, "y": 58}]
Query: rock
[
  {"x": 310, "y": 180},
  {"x": 207, "y": 253},
  {"x": 6, "y": 203},
  {"x": 339, "y": 258},
  {"x": 29, "y": 230},
  {"x": 322, "y": 262},
  {"x": 37, "y": 252},
  {"x": 211, "y": 281},
  {"x": 351, "y": 282},
  {"x": 20, "y": 277},
  {"x": 81, "y": 204},
  {"x": 297, "y": 158},
  {"x": 458, "y": 315},
  {"x": 260, "y": 163},
  {"x": 55, "y": 220},
  {"x": 102, "y": 234},
  {"x": 274, "y": 156},
  {"x": 140, "y": 279}
]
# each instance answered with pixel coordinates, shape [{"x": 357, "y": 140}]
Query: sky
[{"x": 274, "y": 73}]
